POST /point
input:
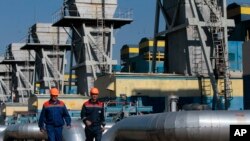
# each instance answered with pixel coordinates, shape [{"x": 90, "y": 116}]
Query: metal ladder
[
  {"x": 199, "y": 70},
  {"x": 100, "y": 38},
  {"x": 221, "y": 63},
  {"x": 206, "y": 89}
]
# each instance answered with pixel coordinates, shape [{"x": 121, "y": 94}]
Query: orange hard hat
[
  {"x": 94, "y": 91},
  {"x": 54, "y": 91}
]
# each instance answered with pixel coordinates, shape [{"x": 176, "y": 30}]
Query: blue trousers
[
  {"x": 54, "y": 133},
  {"x": 93, "y": 132}
]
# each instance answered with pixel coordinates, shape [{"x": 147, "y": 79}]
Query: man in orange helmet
[
  {"x": 54, "y": 115},
  {"x": 92, "y": 115}
]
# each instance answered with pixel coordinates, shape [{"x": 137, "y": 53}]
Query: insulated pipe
[
  {"x": 177, "y": 126},
  {"x": 32, "y": 131},
  {"x": 2, "y": 131},
  {"x": 24, "y": 131},
  {"x": 75, "y": 133}
]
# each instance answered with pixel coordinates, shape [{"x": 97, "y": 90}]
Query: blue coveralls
[
  {"x": 93, "y": 112},
  {"x": 53, "y": 115}
]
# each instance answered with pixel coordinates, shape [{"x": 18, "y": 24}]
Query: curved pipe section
[
  {"x": 177, "y": 126},
  {"x": 75, "y": 133}
]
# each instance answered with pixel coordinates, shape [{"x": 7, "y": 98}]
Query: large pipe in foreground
[
  {"x": 32, "y": 131},
  {"x": 177, "y": 126},
  {"x": 24, "y": 131},
  {"x": 75, "y": 133},
  {"x": 2, "y": 132}
]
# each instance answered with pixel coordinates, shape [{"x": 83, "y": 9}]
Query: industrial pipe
[
  {"x": 24, "y": 131},
  {"x": 173, "y": 100},
  {"x": 2, "y": 132},
  {"x": 177, "y": 126},
  {"x": 75, "y": 133},
  {"x": 32, "y": 131}
]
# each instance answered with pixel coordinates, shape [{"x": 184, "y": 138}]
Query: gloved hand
[
  {"x": 42, "y": 130},
  {"x": 68, "y": 126},
  {"x": 88, "y": 123},
  {"x": 103, "y": 129}
]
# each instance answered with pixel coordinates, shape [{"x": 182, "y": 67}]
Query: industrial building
[{"x": 138, "y": 58}]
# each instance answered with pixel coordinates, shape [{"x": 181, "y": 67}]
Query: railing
[
  {"x": 119, "y": 14},
  {"x": 50, "y": 41},
  {"x": 149, "y": 56}
]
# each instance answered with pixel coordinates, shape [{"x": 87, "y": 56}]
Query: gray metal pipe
[
  {"x": 177, "y": 126},
  {"x": 172, "y": 100},
  {"x": 75, "y": 133},
  {"x": 24, "y": 131},
  {"x": 2, "y": 132},
  {"x": 32, "y": 131}
]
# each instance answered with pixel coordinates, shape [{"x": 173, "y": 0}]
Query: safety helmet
[
  {"x": 54, "y": 91},
  {"x": 94, "y": 91}
]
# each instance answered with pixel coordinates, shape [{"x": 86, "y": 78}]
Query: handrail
[{"x": 64, "y": 12}]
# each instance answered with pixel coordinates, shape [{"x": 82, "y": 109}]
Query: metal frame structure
[
  {"x": 92, "y": 25},
  {"x": 203, "y": 24},
  {"x": 5, "y": 80},
  {"x": 21, "y": 62},
  {"x": 50, "y": 46}
]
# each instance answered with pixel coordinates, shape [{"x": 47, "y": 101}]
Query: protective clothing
[
  {"x": 93, "y": 112},
  {"x": 54, "y": 115}
]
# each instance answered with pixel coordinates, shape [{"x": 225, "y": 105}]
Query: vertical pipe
[
  {"x": 63, "y": 69},
  {"x": 70, "y": 67},
  {"x": 111, "y": 46},
  {"x": 71, "y": 58},
  {"x": 172, "y": 102},
  {"x": 226, "y": 77},
  {"x": 166, "y": 104},
  {"x": 58, "y": 57},
  {"x": 156, "y": 30}
]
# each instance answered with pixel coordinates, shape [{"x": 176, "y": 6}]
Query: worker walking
[
  {"x": 54, "y": 115},
  {"x": 92, "y": 115}
]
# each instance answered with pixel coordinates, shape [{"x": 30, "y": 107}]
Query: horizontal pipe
[
  {"x": 24, "y": 131},
  {"x": 177, "y": 126},
  {"x": 32, "y": 131}
]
